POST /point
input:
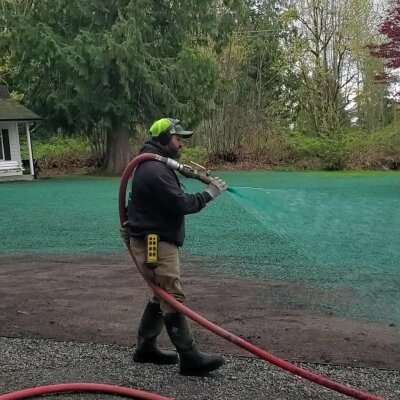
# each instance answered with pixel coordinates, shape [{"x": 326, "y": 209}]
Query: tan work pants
[{"x": 166, "y": 274}]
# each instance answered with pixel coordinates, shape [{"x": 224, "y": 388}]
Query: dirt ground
[{"x": 100, "y": 299}]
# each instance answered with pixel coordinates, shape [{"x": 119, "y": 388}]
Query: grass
[{"x": 336, "y": 231}]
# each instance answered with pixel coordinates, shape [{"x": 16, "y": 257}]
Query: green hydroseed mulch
[{"x": 339, "y": 232}]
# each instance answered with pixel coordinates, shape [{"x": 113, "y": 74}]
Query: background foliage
[{"x": 276, "y": 84}]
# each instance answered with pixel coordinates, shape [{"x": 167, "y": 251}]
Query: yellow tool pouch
[{"x": 152, "y": 250}]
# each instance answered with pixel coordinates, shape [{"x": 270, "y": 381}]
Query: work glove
[
  {"x": 124, "y": 233},
  {"x": 216, "y": 187}
]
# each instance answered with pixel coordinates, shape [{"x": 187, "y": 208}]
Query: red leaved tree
[{"x": 389, "y": 51}]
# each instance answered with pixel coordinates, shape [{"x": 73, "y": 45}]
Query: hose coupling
[
  {"x": 174, "y": 164},
  {"x": 187, "y": 170}
]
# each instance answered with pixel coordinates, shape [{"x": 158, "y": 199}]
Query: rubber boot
[
  {"x": 192, "y": 361},
  {"x": 150, "y": 327}
]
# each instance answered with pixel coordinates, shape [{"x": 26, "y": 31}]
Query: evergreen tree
[{"x": 115, "y": 63}]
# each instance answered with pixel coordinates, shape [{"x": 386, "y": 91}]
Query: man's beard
[
  {"x": 173, "y": 152},
  {"x": 168, "y": 150}
]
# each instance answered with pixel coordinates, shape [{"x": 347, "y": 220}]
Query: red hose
[
  {"x": 82, "y": 387},
  {"x": 124, "y": 182},
  {"x": 318, "y": 379}
]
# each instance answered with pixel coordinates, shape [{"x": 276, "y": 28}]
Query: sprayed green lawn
[{"x": 337, "y": 231}]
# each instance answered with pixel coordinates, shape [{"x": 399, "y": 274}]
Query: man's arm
[{"x": 173, "y": 198}]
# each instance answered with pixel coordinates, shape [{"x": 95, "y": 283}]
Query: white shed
[{"x": 13, "y": 114}]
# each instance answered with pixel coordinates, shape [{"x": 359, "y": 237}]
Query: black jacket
[{"x": 158, "y": 202}]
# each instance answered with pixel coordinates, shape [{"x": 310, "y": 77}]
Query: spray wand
[{"x": 202, "y": 174}]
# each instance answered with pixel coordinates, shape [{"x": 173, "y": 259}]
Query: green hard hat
[{"x": 170, "y": 125}]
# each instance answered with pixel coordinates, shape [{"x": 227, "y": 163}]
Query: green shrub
[
  {"x": 57, "y": 147},
  {"x": 350, "y": 150},
  {"x": 61, "y": 155},
  {"x": 331, "y": 152},
  {"x": 378, "y": 150},
  {"x": 197, "y": 154}
]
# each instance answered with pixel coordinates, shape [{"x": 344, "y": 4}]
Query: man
[{"x": 159, "y": 206}]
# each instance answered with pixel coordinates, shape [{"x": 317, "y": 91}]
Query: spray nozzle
[
  {"x": 191, "y": 172},
  {"x": 207, "y": 172},
  {"x": 188, "y": 170}
]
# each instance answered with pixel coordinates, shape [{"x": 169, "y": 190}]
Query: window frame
[{"x": 2, "y": 155}]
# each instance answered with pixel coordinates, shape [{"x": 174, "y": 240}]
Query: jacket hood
[{"x": 151, "y": 146}]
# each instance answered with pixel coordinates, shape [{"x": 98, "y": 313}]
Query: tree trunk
[{"x": 117, "y": 151}]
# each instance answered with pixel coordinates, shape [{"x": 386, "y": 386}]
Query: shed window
[{"x": 1, "y": 147}]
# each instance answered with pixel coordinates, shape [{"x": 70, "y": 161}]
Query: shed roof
[{"x": 11, "y": 110}]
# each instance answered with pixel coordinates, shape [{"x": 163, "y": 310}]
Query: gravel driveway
[{"x": 27, "y": 363}]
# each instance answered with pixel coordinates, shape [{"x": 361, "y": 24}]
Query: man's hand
[
  {"x": 124, "y": 232},
  {"x": 216, "y": 187}
]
